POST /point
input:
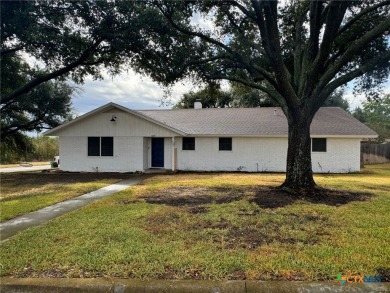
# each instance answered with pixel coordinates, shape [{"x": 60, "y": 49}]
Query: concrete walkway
[{"x": 11, "y": 227}]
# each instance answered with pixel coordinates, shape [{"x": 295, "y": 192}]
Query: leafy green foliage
[
  {"x": 240, "y": 96},
  {"x": 45, "y": 106},
  {"x": 336, "y": 100},
  {"x": 15, "y": 149},
  {"x": 297, "y": 52},
  {"x": 40, "y": 148},
  {"x": 67, "y": 40},
  {"x": 376, "y": 114},
  {"x": 211, "y": 97}
]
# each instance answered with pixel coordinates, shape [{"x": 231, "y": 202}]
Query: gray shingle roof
[{"x": 256, "y": 121}]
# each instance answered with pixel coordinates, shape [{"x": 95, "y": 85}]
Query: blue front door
[{"x": 157, "y": 152}]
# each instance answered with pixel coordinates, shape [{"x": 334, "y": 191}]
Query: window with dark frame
[
  {"x": 188, "y": 143},
  {"x": 225, "y": 143},
  {"x": 318, "y": 145},
  {"x": 107, "y": 146},
  {"x": 93, "y": 146},
  {"x": 100, "y": 146}
]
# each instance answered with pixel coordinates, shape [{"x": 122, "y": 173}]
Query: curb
[{"x": 40, "y": 285}]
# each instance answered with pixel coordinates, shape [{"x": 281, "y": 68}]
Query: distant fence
[{"x": 375, "y": 153}]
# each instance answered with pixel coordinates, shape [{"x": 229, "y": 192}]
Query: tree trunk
[{"x": 299, "y": 174}]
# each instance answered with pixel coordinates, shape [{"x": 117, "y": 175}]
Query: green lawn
[
  {"x": 216, "y": 226},
  {"x": 27, "y": 192}
]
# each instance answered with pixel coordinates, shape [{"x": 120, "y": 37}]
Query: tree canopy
[
  {"x": 296, "y": 52},
  {"x": 376, "y": 114},
  {"x": 66, "y": 40},
  {"x": 240, "y": 96}
]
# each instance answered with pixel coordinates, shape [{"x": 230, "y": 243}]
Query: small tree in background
[{"x": 376, "y": 115}]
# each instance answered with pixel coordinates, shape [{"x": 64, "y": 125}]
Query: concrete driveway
[{"x": 24, "y": 169}]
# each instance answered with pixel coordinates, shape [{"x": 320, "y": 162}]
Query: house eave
[{"x": 281, "y": 135}]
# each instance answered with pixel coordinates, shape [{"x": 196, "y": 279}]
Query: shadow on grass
[
  {"x": 272, "y": 197},
  {"x": 384, "y": 274},
  {"x": 264, "y": 197}
]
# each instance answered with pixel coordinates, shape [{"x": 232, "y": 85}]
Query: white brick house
[{"x": 113, "y": 138}]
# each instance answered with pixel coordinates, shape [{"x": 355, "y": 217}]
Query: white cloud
[
  {"x": 130, "y": 90},
  {"x": 357, "y": 100}
]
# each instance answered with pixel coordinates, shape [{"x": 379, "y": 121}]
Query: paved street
[{"x": 24, "y": 169}]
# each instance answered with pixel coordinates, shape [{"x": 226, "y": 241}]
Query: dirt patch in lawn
[
  {"x": 264, "y": 197},
  {"x": 271, "y": 197},
  {"x": 194, "y": 196},
  {"x": 307, "y": 229}
]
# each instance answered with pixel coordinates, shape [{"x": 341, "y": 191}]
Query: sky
[
  {"x": 137, "y": 92},
  {"x": 141, "y": 93},
  {"x": 129, "y": 89}
]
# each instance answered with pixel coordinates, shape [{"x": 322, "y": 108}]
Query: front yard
[
  {"x": 216, "y": 226},
  {"x": 22, "y": 193}
]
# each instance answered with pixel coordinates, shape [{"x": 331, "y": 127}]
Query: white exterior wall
[
  {"x": 168, "y": 153},
  {"x": 132, "y": 149},
  {"x": 265, "y": 155},
  {"x": 248, "y": 154},
  {"x": 131, "y": 143},
  {"x": 342, "y": 156},
  {"x": 128, "y": 155}
]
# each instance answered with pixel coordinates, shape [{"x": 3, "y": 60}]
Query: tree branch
[
  {"x": 266, "y": 13},
  {"x": 353, "y": 48},
  {"x": 30, "y": 125},
  {"x": 272, "y": 93},
  {"x": 242, "y": 9},
  {"x": 367, "y": 67},
  {"x": 299, "y": 47},
  {"x": 234, "y": 54},
  {"x": 10, "y": 50},
  {"x": 333, "y": 21},
  {"x": 42, "y": 78},
  {"x": 360, "y": 15}
]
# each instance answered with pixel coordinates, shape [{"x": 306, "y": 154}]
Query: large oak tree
[{"x": 297, "y": 52}]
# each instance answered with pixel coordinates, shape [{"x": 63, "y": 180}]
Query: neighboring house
[{"x": 113, "y": 138}]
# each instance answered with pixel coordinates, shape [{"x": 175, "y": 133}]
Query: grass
[
  {"x": 23, "y": 193},
  {"x": 215, "y": 226}
]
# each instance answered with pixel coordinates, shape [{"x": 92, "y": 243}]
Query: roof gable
[{"x": 108, "y": 108}]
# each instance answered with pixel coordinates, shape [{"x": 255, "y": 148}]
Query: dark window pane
[
  {"x": 189, "y": 143},
  {"x": 93, "y": 146},
  {"x": 318, "y": 144},
  {"x": 225, "y": 143},
  {"x": 107, "y": 146}
]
